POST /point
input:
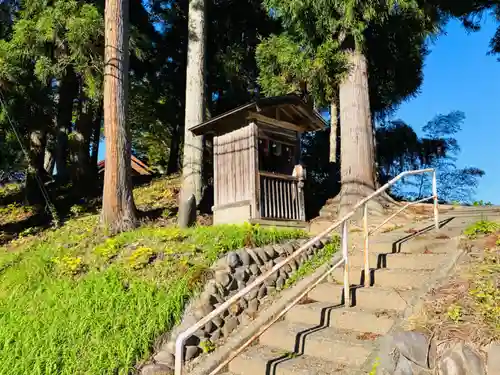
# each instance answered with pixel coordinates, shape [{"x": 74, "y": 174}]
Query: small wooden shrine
[{"x": 257, "y": 176}]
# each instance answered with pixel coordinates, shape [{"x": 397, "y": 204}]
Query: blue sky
[{"x": 459, "y": 75}]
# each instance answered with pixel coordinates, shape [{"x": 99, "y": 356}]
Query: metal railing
[{"x": 183, "y": 336}]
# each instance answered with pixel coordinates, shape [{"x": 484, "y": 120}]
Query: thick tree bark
[
  {"x": 49, "y": 159},
  {"x": 118, "y": 208},
  {"x": 334, "y": 148},
  {"x": 357, "y": 149},
  {"x": 195, "y": 105},
  {"x": 81, "y": 149},
  {"x": 36, "y": 169},
  {"x": 67, "y": 93}
]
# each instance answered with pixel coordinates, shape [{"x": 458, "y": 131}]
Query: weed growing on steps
[
  {"x": 375, "y": 366},
  {"x": 289, "y": 355},
  {"x": 320, "y": 258},
  {"x": 467, "y": 307},
  {"x": 486, "y": 289},
  {"x": 481, "y": 227},
  {"x": 207, "y": 346},
  {"x": 73, "y": 301},
  {"x": 455, "y": 313}
]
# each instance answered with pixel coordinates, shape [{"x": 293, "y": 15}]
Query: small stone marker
[{"x": 187, "y": 213}]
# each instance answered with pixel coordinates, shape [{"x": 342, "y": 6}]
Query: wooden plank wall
[{"x": 234, "y": 166}]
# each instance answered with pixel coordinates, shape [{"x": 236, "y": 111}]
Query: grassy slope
[
  {"x": 467, "y": 306},
  {"x": 73, "y": 301}
]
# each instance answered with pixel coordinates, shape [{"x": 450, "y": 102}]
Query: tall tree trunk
[
  {"x": 195, "y": 106},
  {"x": 334, "y": 148},
  {"x": 357, "y": 153},
  {"x": 83, "y": 131},
  {"x": 333, "y": 130},
  {"x": 35, "y": 175},
  {"x": 118, "y": 208},
  {"x": 173, "y": 156},
  {"x": 67, "y": 92},
  {"x": 49, "y": 159}
]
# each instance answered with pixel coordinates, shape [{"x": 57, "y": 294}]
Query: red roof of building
[{"x": 138, "y": 166}]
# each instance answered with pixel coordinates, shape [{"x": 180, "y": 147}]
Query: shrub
[{"x": 481, "y": 227}]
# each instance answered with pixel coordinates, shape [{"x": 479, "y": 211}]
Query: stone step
[
  {"x": 365, "y": 298},
  {"x": 412, "y": 246},
  {"x": 263, "y": 360},
  {"x": 346, "y": 318},
  {"x": 328, "y": 210},
  {"x": 405, "y": 261},
  {"x": 384, "y": 277},
  {"x": 325, "y": 343},
  {"x": 318, "y": 226}
]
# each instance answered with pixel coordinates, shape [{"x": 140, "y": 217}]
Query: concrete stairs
[{"x": 322, "y": 336}]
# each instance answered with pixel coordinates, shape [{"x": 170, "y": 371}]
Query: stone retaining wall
[{"x": 231, "y": 274}]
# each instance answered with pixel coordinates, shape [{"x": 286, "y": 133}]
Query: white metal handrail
[{"x": 183, "y": 336}]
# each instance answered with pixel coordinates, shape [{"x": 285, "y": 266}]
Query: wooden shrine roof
[{"x": 288, "y": 111}]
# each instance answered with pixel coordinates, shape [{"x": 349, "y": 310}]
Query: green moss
[
  {"x": 160, "y": 193},
  {"x": 10, "y": 189},
  {"x": 15, "y": 212}
]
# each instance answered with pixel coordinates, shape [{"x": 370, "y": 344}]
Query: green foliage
[
  {"x": 92, "y": 304},
  {"x": 399, "y": 149},
  {"x": 317, "y": 33},
  {"x": 74, "y": 28},
  {"x": 320, "y": 258},
  {"x": 487, "y": 296},
  {"x": 285, "y": 66},
  {"x": 69, "y": 265},
  {"x": 160, "y": 193},
  {"x": 108, "y": 249},
  {"x": 481, "y": 227},
  {"x": 77, "y": 209},
  {"x": 207, "y": 346},
  {"x": 482, "y": 203},
  {"x": 289, "y": 355},
  {"x": 340, "y": 17},
  {"x": 455, "y": 313},
  {"x": 140, "y": 257},
  {"x": 15, "y": 212},
  {"x": 375, "y": 366},
  {"x": 485, "y": 291},
  {"x": 495, "y": 41}
]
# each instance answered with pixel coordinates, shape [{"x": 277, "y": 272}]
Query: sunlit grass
[{"x": 73, "y": 301}]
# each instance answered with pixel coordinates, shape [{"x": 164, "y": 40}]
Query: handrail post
[
  {"x": 434, "y": 193},
  {"x": 366, "y": 282},
  {"x": 345, "y": 255}
]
